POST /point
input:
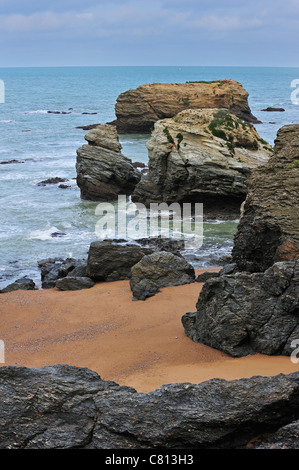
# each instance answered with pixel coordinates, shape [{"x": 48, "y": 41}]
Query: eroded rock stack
[
  {"x": 137, "y": 110},
  {"x": 203, "y": 155},
  {"x": 256, "y": 308},
  {"x": 103, "y": 172}
]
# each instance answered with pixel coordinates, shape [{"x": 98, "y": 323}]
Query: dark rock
[
  {"x": 89, "y": 113},
  {"x": 53, "y": 269},
  {"x": 273, "y": 109},
  {"x": 205, "y": 276},
  {"x": 72, "y": 282},
  {"x": 24, "y": 284},
  {"x": 159, "y": 270},
  {"x": 57, "y": 234},
  {"x": 162, "y": 244},
  {"x": 249, "y": 313},
  {"x": 110, "y": 261},
  {"x": 63, "y": 407},
  {"x": 59, "y": 112},
  {"x": 287, "y": 437},
  {"x": 229, "y": 269},
  {"x": 103, "y": 173},
  {"x": 139, "y": 165},
  {"x": 268, "y": 230},
  {"x": 88, "y": 127},
  {"x": 55, "y": 180},
  {"x": 63, "y": 186},
  {"x": 9, "y": 162}
]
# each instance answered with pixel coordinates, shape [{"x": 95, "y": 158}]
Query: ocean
[{"x": 46, "y": 145}]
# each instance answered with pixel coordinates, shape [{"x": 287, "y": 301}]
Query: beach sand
[{"x": 137, "y": 343}]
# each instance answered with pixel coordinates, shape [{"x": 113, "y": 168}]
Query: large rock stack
[
  {"x": 256, "y": 308},
  {"x": 203, "y": 155},
  {"x": 137, "y": 110}
]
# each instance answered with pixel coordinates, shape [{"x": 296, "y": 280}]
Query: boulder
[
  {"x": 72, "y": 282},
  {"x": 103, "y": 172},
  {"x": 24, "y": 284},
  {"x": 53, "y": 269},
  {"x": 268, "y": 230},
  {"x": 137, "y": 110},
  {"x": 161, "y": 269},
  {"x": 248, "y": 313},
  {"x": 112, "y": 261},
  {"x": 63, "y": 407},
  {"x": 203, "y": 155}
]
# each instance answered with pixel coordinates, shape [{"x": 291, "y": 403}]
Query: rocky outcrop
[
  {"x": 161, "y": 269},
  {"x": 137, "y": 110},
  {"x": 53, "y": 269},
  {"x": 111, "y": 261},
  {"x": 63, "y": 407},
  {"x": 254, "y": 304},
  {"x": 24, "y": 284},
  {"x": 201, "y": 155},
  {"x": 72, "y": 282},
  {"x": 103, "y": 172},
  {"x": 269, "y": 231},
  {"x": 247, "y": 313}
]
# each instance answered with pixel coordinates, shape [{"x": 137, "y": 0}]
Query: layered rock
[
  {"x": 254, "y": 305},
  {"x": 63, "y": 407},
  {"x": 137, "y": 110},
  {"x": 201, "y": 155},
  {"x": 161, "y": 269},
  {"x": 269, "y": 231},
  {"x": 103, "y": 172}
]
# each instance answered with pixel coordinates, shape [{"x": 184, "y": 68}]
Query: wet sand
[{"x": 137, "y": 343}]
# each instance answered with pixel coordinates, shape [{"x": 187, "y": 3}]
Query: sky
[{"x": 149, "y": 32}]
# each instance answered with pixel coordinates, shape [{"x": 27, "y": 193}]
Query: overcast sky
[{"x": 149, "y": 32}]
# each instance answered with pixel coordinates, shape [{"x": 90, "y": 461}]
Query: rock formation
[
  {"x": 159, "y": 270},
  {"x": 137, "y": 110},
  {"x": 254, "y": 304},
  {"x": 269, "y": 231},
  {"x": 201, "y": 155},
  {"x": 24, "y": 284},
  {"x": 112, "y": 261},
  {"x": 63, "y": 407},
  {"x": 103, "y": 172}
]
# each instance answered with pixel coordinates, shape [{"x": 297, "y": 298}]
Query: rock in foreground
[
  {"x": 103, "y": 172},
  {"x": 248, "y": 313},
  {"x": 137, "y": 110},
  {"x": 159, "y": 270},
  {"x": 63, "y": 407}
]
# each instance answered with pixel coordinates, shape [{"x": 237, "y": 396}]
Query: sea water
[{"x": 46, "y": 145}]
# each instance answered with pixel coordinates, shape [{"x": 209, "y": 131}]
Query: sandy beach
[{"x": 137, "y": 343}]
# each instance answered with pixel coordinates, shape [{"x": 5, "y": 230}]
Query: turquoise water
[{"x": 47, "y": 144}]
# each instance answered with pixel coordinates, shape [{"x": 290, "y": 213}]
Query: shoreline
[{"x": 141, "y": 344}]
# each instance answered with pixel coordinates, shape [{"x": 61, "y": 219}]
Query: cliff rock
[
  {"x": 137, "y": 110},
  {"x": 269, "y": 231}
]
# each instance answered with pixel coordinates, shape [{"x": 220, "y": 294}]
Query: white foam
[{"x": 42, "y": 235}]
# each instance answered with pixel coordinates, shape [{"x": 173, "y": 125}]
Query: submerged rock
[
  {"x": 162, "y": 269},
  {"x": 67, "y": 407},
  {"x": 138, "y": 110},
  {"x": 54, "y": 180},
  {"x": 103, "y": 172}
]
